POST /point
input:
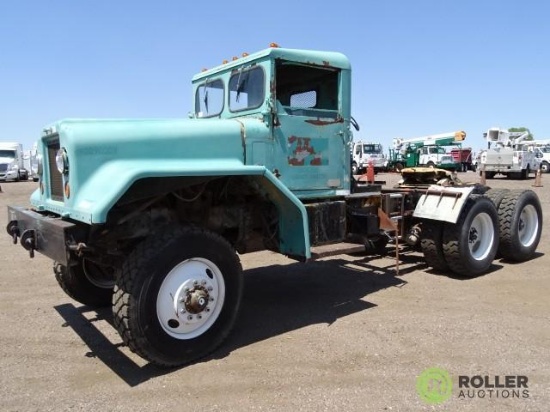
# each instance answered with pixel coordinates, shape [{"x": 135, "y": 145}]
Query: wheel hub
[
  {"x": 473, "y": 235},
  {"x": 197, "y": 299}
]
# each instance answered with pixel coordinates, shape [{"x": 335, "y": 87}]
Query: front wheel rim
[
  {"x": 481, "y": 236},
  {"x": 528, "y": 225},
  {"x": 190, "y": 298}
]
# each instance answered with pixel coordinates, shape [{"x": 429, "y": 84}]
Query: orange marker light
[
  {"x": 235, "y": 58},
  {"x": 67, "y": 190},
  {"x": 275, "y": 45},
  {"x": 245, "y": 54}
]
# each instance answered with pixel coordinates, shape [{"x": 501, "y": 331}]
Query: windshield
[
  {"x": 209, "y": 98},
  {"x": 246, "y": 89},
  {"x": 7, "y": 153},
  {"x": 372, "y": 148}
]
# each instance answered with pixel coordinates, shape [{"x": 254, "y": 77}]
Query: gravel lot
[{"x": 345, "y": 333}]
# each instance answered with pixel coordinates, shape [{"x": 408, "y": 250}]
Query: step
[{"x": 334, "y": 249}]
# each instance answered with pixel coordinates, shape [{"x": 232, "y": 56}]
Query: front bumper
[{"x": 50, "y": 236}]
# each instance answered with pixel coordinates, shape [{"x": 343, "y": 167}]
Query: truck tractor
[
  {"x": 365, "y": 153},
  {"x": 150, "y": 216},
  {"x": 508, "y": 154}
]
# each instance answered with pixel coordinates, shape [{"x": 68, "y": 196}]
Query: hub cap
[{"x": 190, "y": 298}]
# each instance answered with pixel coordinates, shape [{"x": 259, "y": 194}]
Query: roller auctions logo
[{"x": 434, "y": 386}]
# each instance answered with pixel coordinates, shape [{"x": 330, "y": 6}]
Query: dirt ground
[{"x": 345, "y": 333}]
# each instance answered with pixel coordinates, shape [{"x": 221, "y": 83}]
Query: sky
[{"x": 418, "y": 67}]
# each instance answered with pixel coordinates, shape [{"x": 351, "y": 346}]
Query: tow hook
[
  {"x": 28, "y": 241},
  {"x": 13, "y": 230}
]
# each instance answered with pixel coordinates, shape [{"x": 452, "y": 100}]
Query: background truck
[
  {"x": 429, "y": 151},
  {"x": 264, "y": 163},
  {"x": 12, "y": 165},
  {"x": 464, "y": 157},
  {"x": 508, "y": 154},
  {"x": 541, "y": 148},
  {"x": 364, "y": 153}
]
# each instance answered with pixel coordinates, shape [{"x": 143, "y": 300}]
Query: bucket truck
[
  {"x": 430, "y": 151},
  {"x": 508, "y": 153}
]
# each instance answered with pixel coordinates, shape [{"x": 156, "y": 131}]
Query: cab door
[{"x": 311, "y": 151}]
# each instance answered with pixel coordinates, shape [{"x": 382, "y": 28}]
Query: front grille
[
  {"x": 3, "y": 167},
  {"x": 56, "y": 180}
]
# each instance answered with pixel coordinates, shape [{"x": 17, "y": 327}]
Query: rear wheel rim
[
  {"x": 528, "y": 224},
  {"x": 481, "y": 236}
]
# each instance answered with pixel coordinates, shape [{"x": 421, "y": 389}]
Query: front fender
[{"x": 95, "y": 198}]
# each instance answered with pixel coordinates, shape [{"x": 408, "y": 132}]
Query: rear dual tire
[
  {"x": 467, "y": 247},
  {"x": 507, "y": 222},
  {"x": 520, "y": 220}
]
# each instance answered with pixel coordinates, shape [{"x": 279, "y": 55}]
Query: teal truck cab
[{"x": 149, "y": 216}]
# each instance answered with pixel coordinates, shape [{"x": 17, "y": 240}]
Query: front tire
[
  {"x": 178, "y": 295},
  {"x": 86, "y": 282},
  {"x": 470, "y": 245}
]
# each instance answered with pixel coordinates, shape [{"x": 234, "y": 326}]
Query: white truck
[
  {"x": 541, "y": 148},
  {"x": 364, "y": 153},
  {"x": 12, "y": 162},
  {"x": 508, "y": 153}
]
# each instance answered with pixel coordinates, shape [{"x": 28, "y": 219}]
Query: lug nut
[{"x": 189, "y": 317}]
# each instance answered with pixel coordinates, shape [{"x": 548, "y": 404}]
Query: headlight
[{"x": 62, "y": 161}]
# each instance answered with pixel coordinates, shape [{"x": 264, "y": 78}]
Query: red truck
[{"x": 464, "y": 157}]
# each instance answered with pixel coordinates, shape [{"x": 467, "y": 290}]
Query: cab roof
[{"x": 318, "y": 58}]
